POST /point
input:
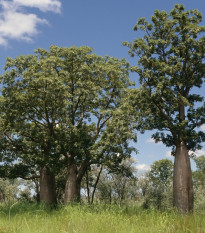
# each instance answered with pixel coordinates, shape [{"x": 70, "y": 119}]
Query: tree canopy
[
  {"x": 62, "y": 106},
  {"x": 170, "y": 65}
]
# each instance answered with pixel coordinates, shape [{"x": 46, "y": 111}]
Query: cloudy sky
[{"x": 102, "y": 24}]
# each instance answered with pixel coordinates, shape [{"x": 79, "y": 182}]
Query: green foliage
[
  {"x": 157, "y": 185},
  {"x": 161, "y": 172},
  {"x": 63, "y": 104},
  {"x": 200, "y": 163},
  {"x": 171, "y": 63},
  {"x": 199, "y": 174},
  {"x": 26, "y": 191},
  {"x": 8, "y": 190},
  {"x": 199, "y": 182},
  {"x": 115, "y": 185}
]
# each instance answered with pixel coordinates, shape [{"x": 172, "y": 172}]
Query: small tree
[
  {"x": 199, "y": 182},
  {"x": 170, "y": 68},
  {"x": 160, "y": 181},
  {"x": 8, "y": 190}
]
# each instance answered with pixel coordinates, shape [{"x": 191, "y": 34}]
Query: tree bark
[
  {"x": 73, "y": 185},
  {"x": 47, "y": 186},
  {"x": 183, "y": 195}
]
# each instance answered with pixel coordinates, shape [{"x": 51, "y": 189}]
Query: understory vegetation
[
  {"x": 151, "y": 190},
  {"x": 24, "y": 218}
]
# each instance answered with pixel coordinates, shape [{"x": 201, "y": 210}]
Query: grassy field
[{"x": 24, "y": 218}]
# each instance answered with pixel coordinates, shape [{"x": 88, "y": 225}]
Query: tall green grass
[{"x": 25, "y": 218}]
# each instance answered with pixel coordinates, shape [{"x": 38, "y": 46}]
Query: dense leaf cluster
[{"x": 61, "y": 105}]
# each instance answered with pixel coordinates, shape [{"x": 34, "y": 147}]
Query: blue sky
[{"x": 101, "y": 24}]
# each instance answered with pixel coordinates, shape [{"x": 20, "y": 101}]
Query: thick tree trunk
[
  {"x": 47, "y": 187},
  {"x": 183, "y": 194},
  {"x": 73, "y": 185}
]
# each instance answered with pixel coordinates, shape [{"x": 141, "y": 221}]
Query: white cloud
[
  {"x": 202, "y": 127},
  {"x": 151, "y": 140},
  {"x": 17, "y": 24},
  {"x": 143, "y": 167},
  {"x": 198, "y": 153},
  {"x": 169, "y": 154},
  {"x": 43, "y": 5}
]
